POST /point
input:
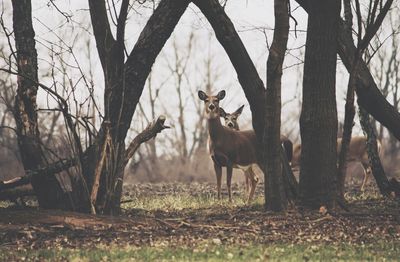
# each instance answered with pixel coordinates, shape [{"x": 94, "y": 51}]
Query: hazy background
[{"x": 191, "y": 58}]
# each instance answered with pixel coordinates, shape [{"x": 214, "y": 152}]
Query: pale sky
[{"x": 253, "y": 19}]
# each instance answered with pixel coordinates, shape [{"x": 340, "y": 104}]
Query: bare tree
[
  {"x": 369, "y": 95},
  {"x": 47, "y": 188},
  {"x": 318, "y": 120},
  {"x": 275, "y": 194},
  {"x": 372, "y": 24}
]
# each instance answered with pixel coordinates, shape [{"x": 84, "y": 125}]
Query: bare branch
[
  {"x": 51, "y": 169},
  {"x": 101, "y": 28},
  {"x": 150, "y": 132}
]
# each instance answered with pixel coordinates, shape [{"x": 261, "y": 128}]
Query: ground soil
[{"x": 368, "y": 220}]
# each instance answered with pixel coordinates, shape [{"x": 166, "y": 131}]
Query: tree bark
[
  {"x": 368, "y": 93},
  {"x": 249, "y": 79},
  {"x": 372, "y": 27},
  {"x": 275, "y": 195},
  {"x": 348, "y": 124},
  {"x": 318, "y": 120},
  {"x": 47, "y": 189},
  {"x": 124, "y": 84},
  {"x": 373, "y": 153}
]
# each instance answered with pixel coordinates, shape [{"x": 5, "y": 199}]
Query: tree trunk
[
  {"x": 373, "y": 153},
  {"x": 348, "y": 124},
  {"x": 318, "y": 120},
  {"x": 275, "y": 195},
  {"x": 124, "y": 84},
  {"x": 249, "y": 79},
  {"x": 368, "y": 93},
  {"x": 47, "y": 189}
]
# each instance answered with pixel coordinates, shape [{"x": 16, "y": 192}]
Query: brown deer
[
  {"x": 231, "y": 118},
  {"x": 229, "y": 148},
  {"x": 357, "y": 153},
  {"x": 231, "y": 121}
]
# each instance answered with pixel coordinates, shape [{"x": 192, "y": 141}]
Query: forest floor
[{"x": 185, "y": 222}]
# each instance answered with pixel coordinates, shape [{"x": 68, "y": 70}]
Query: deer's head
[
  {"x": 212, "y": 103},
  {"x": 231, "y": 118}
]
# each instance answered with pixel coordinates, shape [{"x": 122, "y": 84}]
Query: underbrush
[{"x": 186, "y": 222}]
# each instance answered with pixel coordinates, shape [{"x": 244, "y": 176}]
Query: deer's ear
[
  {"x": 222, "y": 112},
  {"x": 202, "y": 95},
  {"x": 239, "y": 110},
  {"x": 221, "y": 94}
]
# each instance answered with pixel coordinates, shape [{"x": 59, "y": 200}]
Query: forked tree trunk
[
  {"x": 124, "y": 84},
  {"x": 275, "y": 195},
  {"x": 318, "y": 120}
]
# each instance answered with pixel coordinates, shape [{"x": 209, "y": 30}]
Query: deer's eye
[{"x": 206, "y": 100}]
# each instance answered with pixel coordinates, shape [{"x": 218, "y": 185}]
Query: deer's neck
[{"x": 215, "y": 128}]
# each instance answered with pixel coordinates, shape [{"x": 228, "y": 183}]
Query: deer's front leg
[
  {"x": 229, "y": 170},
  {"x": 218, "y": 173}
]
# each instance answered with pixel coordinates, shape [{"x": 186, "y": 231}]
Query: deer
[
  {"x": 357, "y": 152},
  {"x": 229, "y": 148},
  {"x": 231, "y": 121}
]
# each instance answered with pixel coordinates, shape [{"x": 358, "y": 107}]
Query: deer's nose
[
  {"x": 211, "y": 107},
  {"x": 230, "y": 124}
]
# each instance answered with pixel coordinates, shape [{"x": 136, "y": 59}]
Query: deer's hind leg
[
  {"x": 367, "y": 172},
  {"x": 247, "y": 181},
  {"x": 253, "y": 183}
]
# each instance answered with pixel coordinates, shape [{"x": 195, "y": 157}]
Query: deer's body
[
  {"x": 232, "y": 123},
  {"x": 229, "y": 144},
  {"x": 229, "y": 148},
  {"x": 357, "y": 153}
]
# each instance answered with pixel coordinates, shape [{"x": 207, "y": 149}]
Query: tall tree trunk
[
  {"x": 275, "y": 196},
  {"x": 348, "y": 124},
  {"x": 47, "y": 189},
  {"x": 318, "y": 120},
  {"x": 368, "y": 94}
]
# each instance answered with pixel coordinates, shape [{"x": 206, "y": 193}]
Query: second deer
[
  {"x": 357, "y": 153},
  {"x": 231, "y": 121}
]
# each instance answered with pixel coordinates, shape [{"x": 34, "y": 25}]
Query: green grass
[
  {"x": 176, "y": 202},
  {"x": 211, "y": 252}
]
